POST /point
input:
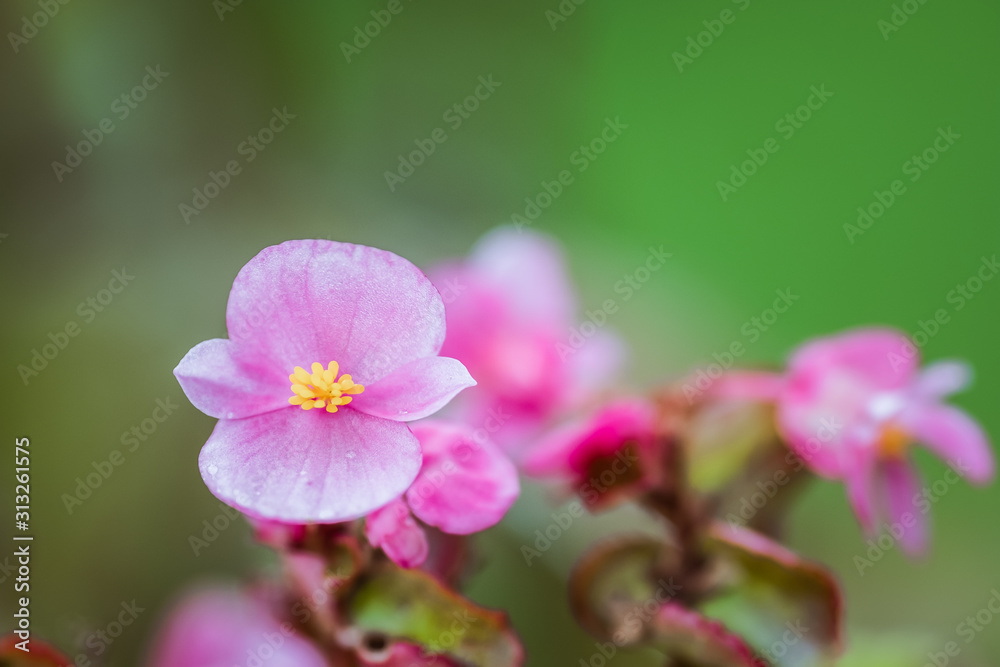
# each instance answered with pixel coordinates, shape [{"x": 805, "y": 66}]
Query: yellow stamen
[
  {"x": 322, "y": 388},
  {"x": 893, "y": 442}
]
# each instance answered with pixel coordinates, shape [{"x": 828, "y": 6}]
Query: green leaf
[
  {"x": 618, "y": 594},
  {"x": 413, "y": 606},
  {"x": 722, "y": 440},
  {"x": 611, "y": 585},
  {"x": 787, "y": 607},
  {"x": 896, "y": 650}
]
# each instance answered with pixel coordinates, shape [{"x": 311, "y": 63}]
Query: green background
[{"x": 323, "y": 177}]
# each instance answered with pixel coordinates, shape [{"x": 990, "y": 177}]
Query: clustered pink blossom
[
  {"x": 323, "y": 441},
  {"x": 510, "y": 309}
]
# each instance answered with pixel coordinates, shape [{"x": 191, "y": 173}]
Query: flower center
[
  {"x": 893, "y": 442},
  {"x": 322, "y": 388}
]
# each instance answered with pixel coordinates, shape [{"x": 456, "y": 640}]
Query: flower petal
[
  {"x": 616, "y": 426},
  {"x": 902, "y": 486},
  {"x": 393, "y": 529},
  {"x": 955, "y": 437},
  {"x": 475, "y": 311},
  {"x": 220, "y": 384},
  {"x": 319, "y": 301},
  {"x": 532, "y": 270},
  {"x": 819, "y": 424},
  {"x": 221, "y": 627},
  {"x": 466, "y": 483},
  {"x": 832, "y": 389},
  {"x": 570, "y": 449},
  {"x": 943, "y": 378},
  {"x": 416, "y": 390},
  {"x": 309, "y": 467},
  {"x": 511, "y": 359},
  {"x": 550, "y": 457},
  {"x": 593, "y": 364},
  {"x": 859, "y": 482},
  {"x": 884, "y": 358}
]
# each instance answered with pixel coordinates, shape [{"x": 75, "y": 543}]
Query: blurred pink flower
[
  {"x": 851, "y": 405},
  {"x": 275, "y": 534},
  {"x": 605, "y": 457},
  {"x": 466, "y": 485},
  {"x": 510, "y": 310},
  {"x": 220, "y": 626},
  {"x": 369, "y": 326}
]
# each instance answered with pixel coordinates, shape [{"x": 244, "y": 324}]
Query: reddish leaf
[
  {"x": 40, "y": 654},
  {"x": 699, "y": 641},
  {"x": 614, "y": 590},
  {"x": 779, "y": 601},
  {"x": 414, "y": 607}
]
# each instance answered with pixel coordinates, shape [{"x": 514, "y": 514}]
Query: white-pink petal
[
  {"x": 531, "y": 269},
  {"x": 223, "y": 384},
  {"x": 309, "y": 301},
  {"x": 881, "y": 358},
  {"x": 909, "y": 524},
  {"x": 955, "y": 437},
  {"x": 302, "y": 466},
  {"x": 942, "y": 378},
  {"x": 415, "y": 390}
]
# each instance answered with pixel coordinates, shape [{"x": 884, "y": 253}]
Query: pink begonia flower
[
  {"x": 606, "y": 457},
  {"x": 329, "y": 443},
  {"x": 850, "y": 406},
  {"x": 511, "y": 310},
  {"x": 466, "y": 485},
  {"x": 215, "y": 627}
]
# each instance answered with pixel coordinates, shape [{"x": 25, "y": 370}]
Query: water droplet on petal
[
  {"x": 350, "y": 454},
  {"x": 212, "y": 469}
]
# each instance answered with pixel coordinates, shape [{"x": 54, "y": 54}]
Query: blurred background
[{"x": 186, "y": 90}]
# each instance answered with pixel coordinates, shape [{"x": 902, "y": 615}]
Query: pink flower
[
  {"x": 214, "y": 627},
  {"x": 511, "y": 310},
  {"x": 851, "y": 405},
  {"x": 606, "y": 457},
  {"x": 332, "y": 446},
  {"x": 466, "y": 485}
]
